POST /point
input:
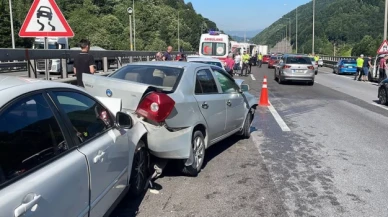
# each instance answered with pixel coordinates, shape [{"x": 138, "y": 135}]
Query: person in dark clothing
[
  {"x": 167, "y": 55},
  {"x": 83, "y": 62}
]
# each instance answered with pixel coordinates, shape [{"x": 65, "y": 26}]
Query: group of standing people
[
  {"x": 364, "y": 64},
  {"x": 167, "y": 56},
  {"x": 241, "y": 65}
]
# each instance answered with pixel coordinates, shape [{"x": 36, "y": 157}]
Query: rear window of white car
[
  {"x": 298, "y": 60},
  {"x": 159, "y": 76}
]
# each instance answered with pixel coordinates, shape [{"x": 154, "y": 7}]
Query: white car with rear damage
[{"x": 183, "y": 107}]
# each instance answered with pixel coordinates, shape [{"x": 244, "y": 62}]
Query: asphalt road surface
[{"x": 318, "y": 150}]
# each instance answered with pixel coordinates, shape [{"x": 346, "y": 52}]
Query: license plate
[
  {"x": 297, "y": 71},
  {"x": 350, "y": 66}
]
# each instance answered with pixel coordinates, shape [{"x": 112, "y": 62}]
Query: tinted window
[
  {"x": 209, "y": 63},
  {"x": 227, "y": 84},
  {"x": 205, "y": 83},
  {"x": 298, "y": 60},
  {"x": 162, "y": 76},
  {"x": 348, "y": 61},
  {"x": 87, "y": 116},
  {"x": 213, "y": 49},
  {"x": 274, "y": 58},
  {"x": 29, "y": 136}
]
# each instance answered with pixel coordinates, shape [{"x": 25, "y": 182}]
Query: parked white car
[
  {"x": 183, "y": 107},
  {"x": 320, "y": 62},
  {"x": 63, "y": 152}
]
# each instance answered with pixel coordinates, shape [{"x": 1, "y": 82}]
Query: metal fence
[{"x": 26, "y": 60}]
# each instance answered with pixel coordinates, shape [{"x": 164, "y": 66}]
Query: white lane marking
[
  {"x": 278, "y": 119},
  {"x": 379, "y": 105},
  {"x": 253, "y": 77}
]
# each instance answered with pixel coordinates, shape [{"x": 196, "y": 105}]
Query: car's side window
[
  {"x": 227, "y": 84},
  {"x": 88, "y": 117},
  {"x": 29, "y": 136},
  {"x": 205, "y": 83}
]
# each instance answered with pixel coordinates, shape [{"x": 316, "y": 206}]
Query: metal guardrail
[
  {"x": 27, "y": 59},
  {"x": 330, "y": 61}
]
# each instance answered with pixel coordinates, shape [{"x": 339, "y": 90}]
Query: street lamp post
[
  {"x": 313, "y": 49},
  {"x": 11, "y": 21},
  {"x": 130, "y": 11},
  {"x": 179, "y": 44},
  {"x": 134, "y": 25},
  {"x": 296, "y": 30},
  {"x": 385, "y": 19}
]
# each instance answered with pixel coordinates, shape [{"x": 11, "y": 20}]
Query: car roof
[
  {"x": 203, "y": 59},
  {"x": 13, "y": 86},
  {"x": 176, "y": 64}
]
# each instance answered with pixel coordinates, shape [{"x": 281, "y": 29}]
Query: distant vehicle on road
[
  {"x": 206, "y": 60},
  {"x": 44, "y": 11},
  {"x": 63, "y": 152},
  {"x": 183, "y": 108},
  {"x": 295, "y": 68},
  {"x": 273, "y": 60},
  {"x": 345, "y": 67},
  {"x": 320, "y": 62},
  {"x": 266, "y": 59},
  {"x": 383, "y": 92}
]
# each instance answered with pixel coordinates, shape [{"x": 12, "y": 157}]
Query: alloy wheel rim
[
  {"x": 383, "y": 96},
  {"x": 199, "y": 151},
  {"x": 140, "y": 162}
]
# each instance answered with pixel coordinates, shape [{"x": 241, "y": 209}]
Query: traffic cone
[{"x": 264, "y": 93}]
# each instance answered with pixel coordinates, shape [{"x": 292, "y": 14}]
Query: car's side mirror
[
  {"x": 244, "y": 88},
  {"x": 123, "y": 120}
]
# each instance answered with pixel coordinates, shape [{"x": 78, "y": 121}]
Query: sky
[{"x": 254, "y": 14}]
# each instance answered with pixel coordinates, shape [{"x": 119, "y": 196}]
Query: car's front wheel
[
  {"x": 140, "y": 169},
  {"x": 246, "y": 130},
  {"x": 198, "y": 150}
]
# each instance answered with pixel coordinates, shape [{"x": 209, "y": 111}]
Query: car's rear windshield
[
  {"x": 160, "y": 76},
  {"x": 209, "y": 62},
  {"x": 298, "y": 60},
  {"x": 349, "y": 61},
  {"x": 274, "y": 58}
]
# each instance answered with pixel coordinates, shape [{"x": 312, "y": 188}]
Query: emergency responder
[
  {"x": 245, "y": 59},
  {"x": 260, "y": 59},
  {"x": 360, "y": 63}
]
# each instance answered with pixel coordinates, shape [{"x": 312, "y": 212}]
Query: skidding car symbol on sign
[{"x": 45, "y": 19}]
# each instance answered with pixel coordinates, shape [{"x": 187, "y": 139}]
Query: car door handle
[
  {"x": 205, "y": 105},
  {"x": 29, "y": 201},
  {"x": 229, "y": 103},
  {"x": 99, "y": 157}
]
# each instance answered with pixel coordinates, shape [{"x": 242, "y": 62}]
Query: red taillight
[
  {"x": 311, "y": 67},
  {"x": 156, "y": 106},
  {"x": 286, "y": 67}
]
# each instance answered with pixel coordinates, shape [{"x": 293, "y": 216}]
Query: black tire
[
  {"x": 199, "y": 149},
  {"x": 140, "y": 170},
  {"x": 280, "y": 81},
  {"x": 383, "y": 96},
  {"x": 316, "y": 72},
  {"x": 246, "y": 130},
  {"x": 370, "y": 77},
  {"x": 310, "y": 83}
]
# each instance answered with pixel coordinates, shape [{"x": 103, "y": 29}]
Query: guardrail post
[
  {"x": 64, "y": 68},
  {"x": 130, "y": 59},
  {"x": 148, "y": 58},
  {"x": 119, "y": 63},
  {"x": 31, "y": 69},
  {"x": 105, "y": 63}
]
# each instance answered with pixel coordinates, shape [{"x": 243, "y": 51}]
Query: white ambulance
[{"x": 214, "y": 44}]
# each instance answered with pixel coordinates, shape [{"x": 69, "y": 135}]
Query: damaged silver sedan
[{"x": 183, "y": 108}]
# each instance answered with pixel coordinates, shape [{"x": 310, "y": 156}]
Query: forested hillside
[
  {"x": 353, "y": 26},
  {"x": 106, "y": 23}
]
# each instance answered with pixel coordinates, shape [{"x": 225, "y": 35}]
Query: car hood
[{"x": 129, "y": 92}]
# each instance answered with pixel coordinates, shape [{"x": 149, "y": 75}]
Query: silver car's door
[
  {"x": 211, "y": 102},
  {"x": 236, "y": 109},
  {"x": 41, "y": 171},
  {"x": 105, "y": 147}
]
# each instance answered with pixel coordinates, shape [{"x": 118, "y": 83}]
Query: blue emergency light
[{"x": 214, "y": 33}]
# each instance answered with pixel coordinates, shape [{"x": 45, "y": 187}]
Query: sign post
[{"x": 45, "y": 19}]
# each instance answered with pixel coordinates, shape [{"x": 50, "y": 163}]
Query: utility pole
[
  {"x": 134, "y": 25},
  {"x": 130, "y": 11},
  {"x": 313, "y": 48},
  {"x": 11, "y": 21},
  {"x": 385, "y": 19},
  {"x": 179, "y": 44},
  {"x": 296, "y": 31}
]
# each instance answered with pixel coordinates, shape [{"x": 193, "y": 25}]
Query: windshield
[
  {"x": 274, "y": 58},
  {"x": 348, "y": 61},
  {"x": 209, "y": 62},
  {"x": 298, "y": 60},
  {"x": 160, "y": 76},
  {"x": 41, "y": 46},
  {"x": 213, "y": 49}
]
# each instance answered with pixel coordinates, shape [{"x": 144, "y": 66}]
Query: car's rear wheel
[
  {"x": 311, "y": 83},
  {"x": 383, "y": 96},
  {"x": 370, "y": 77},
  {"x": 140, "y": 169},
  {"x": 198, "y": 149}
]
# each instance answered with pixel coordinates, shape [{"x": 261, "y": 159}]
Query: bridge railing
[
  {"x": 26, "y": 60},
  {"x": 331, "y": 61}
]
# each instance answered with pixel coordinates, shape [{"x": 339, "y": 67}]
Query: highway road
[{"x": 316, "y": 151}]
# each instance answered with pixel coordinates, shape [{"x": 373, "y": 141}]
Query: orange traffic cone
[{"x": 264, "y": 94}]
